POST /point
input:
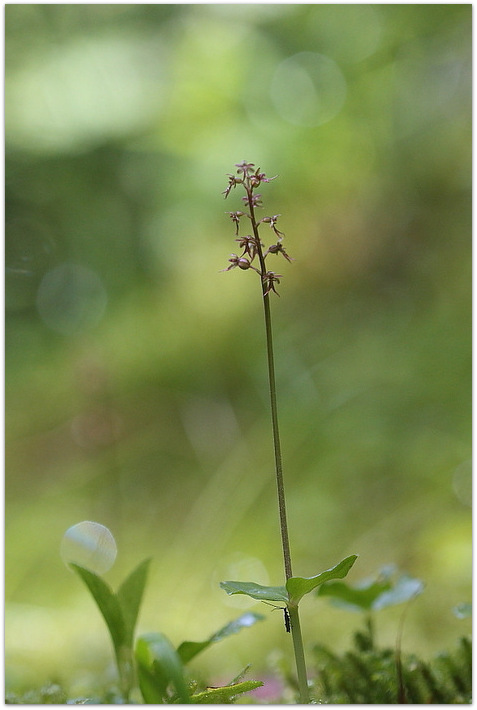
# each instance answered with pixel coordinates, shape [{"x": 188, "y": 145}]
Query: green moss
[
  {"x": 51, "y": 694},
  {"x": 370, "y": 676}
]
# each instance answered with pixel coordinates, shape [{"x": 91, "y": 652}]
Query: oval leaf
[
  {"x": 189, "y": 649},
  {"x": 129, "y": 596},
  {"x": 225, "y": 694},
  {"x": 159, "y": 666},
  {"x": 406, "y": 588},
  {"x": 299, "y": 586},
  {"x": 108, "y": 605},
  {"x": 256, "y": 591},
  {"x": 355, "y": 598},
  {"x": 372, "y": 595}
]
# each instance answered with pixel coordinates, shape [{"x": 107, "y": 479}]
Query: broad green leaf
[
  {"x": 224, "y": 695},
  {"x": 120, "y": 612},
  {"x": 233, "y": 627},
  {"x": 151, "y": 690},
  {"x": 189, "y": 649},
  {"x": 129, "y": 596},
  {"x": 152, "y": 682},
  {"x": 256, "y": 591},
  {"x": 160, "y": 666},
  {"x": 369, "y": 595},
  {"x": 299, "y": 586},
  {"x": 108, "y": 605},
  {"x": 358, "y": 598},
  {"x": 405, "y": 588}
]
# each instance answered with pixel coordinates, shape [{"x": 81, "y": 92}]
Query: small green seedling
[
  {"x": 372, "y": 594},
  {"x": 296, "y": 587},
  {"x": 162, "y": 673},
  {"x": 290, "y": 595},
  {"x": 158, "y": 666},
  {"x": 93, "y": 545},
  {"x": 255, "y": 258},
  {"x": 120, "y": 611},
  {"x": 367, "y": 674}
]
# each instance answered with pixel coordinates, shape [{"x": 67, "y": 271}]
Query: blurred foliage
[
  {"x": 368, "y": 675},
  {"x": 135, "y": 372}
]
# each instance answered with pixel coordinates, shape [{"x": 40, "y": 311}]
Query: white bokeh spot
[
  {"x": 90, "y": 545},
  {"x": 308, "y": 89}
]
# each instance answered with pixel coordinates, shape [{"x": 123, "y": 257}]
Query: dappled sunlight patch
[
  {"x": 308, "y": 89},
  {"x": 239, "y": 565},
  {"x": 37, "y": 636},
  {"x": 75, "y": 94}
]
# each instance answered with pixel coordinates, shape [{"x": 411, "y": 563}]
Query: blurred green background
[{"x": 136, "y": 391}]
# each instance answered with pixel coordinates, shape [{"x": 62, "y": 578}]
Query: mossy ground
[
  {"x": 363, "y": 675},
  {"x": 366, "y": 675}
]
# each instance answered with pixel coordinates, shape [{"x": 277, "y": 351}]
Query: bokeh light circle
[
  {"x": 89, "y": 545},
  {"x": 71, "y": 298},
  {"x": 308, "y": 89}
]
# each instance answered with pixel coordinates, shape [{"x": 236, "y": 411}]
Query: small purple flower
[
  {"x": 259, "y": 177},
  {"x": 235, "y": 217},
  {"x": 278, "y": 249},
  {"x": 233, "y": 181},
  {"x": 244, "y": 167},
  {"x": 269, "y": 281},
  {"x": 241, "y": 262},
  {"x": 272, "y": 221},
  {"x": 249, "y": 246},
  {"x": 254, "y": 200}
]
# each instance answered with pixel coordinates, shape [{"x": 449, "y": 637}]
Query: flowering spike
[{"x": 252, "y": 248}]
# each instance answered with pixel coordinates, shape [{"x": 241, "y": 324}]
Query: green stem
[
  {"x": 299, "y": 655},
  {"x": 292, "y": 610},
  {"x": 276, "y": 442},
  {"x": 124, "y": 659},
  {"x": 273, "y": 402}
]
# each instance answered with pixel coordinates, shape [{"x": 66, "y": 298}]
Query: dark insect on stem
[{"x": 286, "y": 617}]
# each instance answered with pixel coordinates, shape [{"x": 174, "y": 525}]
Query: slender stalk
[
  {"x": 276, "y": 443},
  {"x": 273, "y": 403},
  {"x": 292, "y": 610},
  {"x": 299, "y": 655},
  {"x": 252, "y": 247}
]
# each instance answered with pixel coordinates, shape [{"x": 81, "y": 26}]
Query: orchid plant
[{"x": 255, "y": 257}]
